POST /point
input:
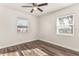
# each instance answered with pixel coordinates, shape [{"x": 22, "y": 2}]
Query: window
[
  {"x": 22, "y": 25},
  {"x": 65, "y": 25}
]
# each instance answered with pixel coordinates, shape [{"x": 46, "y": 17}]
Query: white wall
[
  {"x": 8, "y": 28},
  {"x": 43, "y": 28},
  {"x": 48, "y": 28}
]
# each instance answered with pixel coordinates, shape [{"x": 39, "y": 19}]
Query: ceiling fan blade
[
  {"x": 34, "y": 4},
  {"x": 43, "y": 4},
  {"x": 40, "y": 9},
  {"x": 32, "y": 10},
  {"x": 26, "y": 6}
]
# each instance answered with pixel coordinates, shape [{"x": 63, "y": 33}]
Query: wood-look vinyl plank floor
[{"x": 37, "y": 48}]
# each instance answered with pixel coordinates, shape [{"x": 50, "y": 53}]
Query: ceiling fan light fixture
[{"x": 35, "y": 8}]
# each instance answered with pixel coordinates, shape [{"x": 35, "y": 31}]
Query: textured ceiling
[{"x": 51, "y": 7}]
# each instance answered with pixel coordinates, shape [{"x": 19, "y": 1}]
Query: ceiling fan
[{"x": 36, "y": 6}]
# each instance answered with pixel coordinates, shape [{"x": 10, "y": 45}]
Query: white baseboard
[
  {"x": 15, "y": 44},
  {"x": 74, "y": 49}
]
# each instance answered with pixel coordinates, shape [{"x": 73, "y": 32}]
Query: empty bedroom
[{"x": 39, "y": 29}]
